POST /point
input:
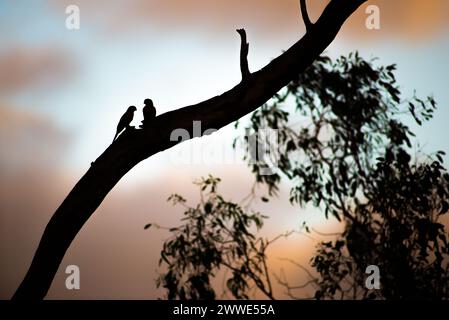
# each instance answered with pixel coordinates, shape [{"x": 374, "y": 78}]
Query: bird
[
  {"x": 125, "y": 120},
  {"x": 149, "y": 112}
]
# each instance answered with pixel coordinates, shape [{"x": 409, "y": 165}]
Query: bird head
[
  {"x": 132, "y": 109},
  {"x": 148, "y": 102}
]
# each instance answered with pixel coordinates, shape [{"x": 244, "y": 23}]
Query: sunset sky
[{"x": 63, "y": 91}]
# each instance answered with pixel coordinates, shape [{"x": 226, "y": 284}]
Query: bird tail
[{"x": 116, "y": 134}]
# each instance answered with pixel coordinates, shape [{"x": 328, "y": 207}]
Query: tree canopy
[{"x": 343, "y": 146}]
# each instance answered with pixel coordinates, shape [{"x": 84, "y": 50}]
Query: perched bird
[
  {"x": 149, "y": 112},
  {"x": 125, "y": 120}
]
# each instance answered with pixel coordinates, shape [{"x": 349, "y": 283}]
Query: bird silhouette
[
  {"x": 125, "y": 120},
  {"x": 149, "y": 112}
]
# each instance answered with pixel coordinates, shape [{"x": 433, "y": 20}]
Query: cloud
[
  {"x": 198, "y": 15},
  {"x": 400, "y": 19},
  {"x": 117, "y": 258},
  {"x": 23, "y": 68},
  {"x": 30, "y": 140},
  {"x": 31, "y": 187}
]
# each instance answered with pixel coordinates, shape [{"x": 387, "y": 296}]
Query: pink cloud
[
  {"x": 27, "y": 140},
  {"x": 400, "y": 19},
  {"x": 22, "y": 68}
]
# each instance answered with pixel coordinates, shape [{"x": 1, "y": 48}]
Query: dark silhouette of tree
[
  {"x": 216, "y": 235},
  {"x": 397, "y": 228},
  {"x": 345, "y": 149},
  {"x": 134, "y": 146},
  {"x": 349, "y": 156},
  {"x": 334, "y": 121}
]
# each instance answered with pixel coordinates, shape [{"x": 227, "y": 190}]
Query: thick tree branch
[
  {"x": 305, "y": 15},
  {"x": 134, "y": 146},
  {"x": 244, "y": 48}
]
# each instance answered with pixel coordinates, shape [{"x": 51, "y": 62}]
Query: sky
[{"x": 62, "y": 92}]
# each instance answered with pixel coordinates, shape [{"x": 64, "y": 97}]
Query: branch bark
[
  {"x": 305, "y": 15},
  {"x": 244, "y": 48},
  {"x": 134, "y": 145}
]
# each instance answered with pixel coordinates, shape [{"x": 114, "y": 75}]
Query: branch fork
[{"x": 305, "y": 16}]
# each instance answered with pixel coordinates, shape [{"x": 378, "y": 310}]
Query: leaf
[
  {"x": 444, "y": 207},
  {"x": 208, "y": 207}
]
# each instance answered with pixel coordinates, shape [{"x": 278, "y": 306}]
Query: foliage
[
  {"x": 398, "y": 229},
  {"x": 350, "y": 156},
  {"x": 215, "y": 235},
  {"x": 343, "y": 147},
  {"x": 345, "y": 113}
]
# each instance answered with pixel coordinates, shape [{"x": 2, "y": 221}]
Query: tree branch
[
  {"x": 244, "y": 48},
  {"x": 133, "y": 145},
  {"x": 305, "y": 15}
]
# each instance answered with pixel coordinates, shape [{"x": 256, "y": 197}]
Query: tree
[
  {"x": 216, "y": 235},
  {"x": 333, "y": 122},
  {"x": 134, "y": 146},
  {"x": 398, "y": 230},
  {"x": 350, "y": 156}
]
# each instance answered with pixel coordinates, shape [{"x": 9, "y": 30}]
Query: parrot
[{"x": 125, "y": 120}]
